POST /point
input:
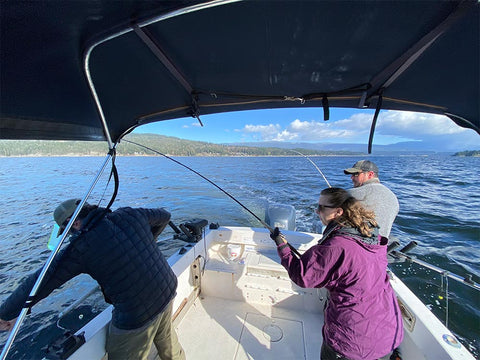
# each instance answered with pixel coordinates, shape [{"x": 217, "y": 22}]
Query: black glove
[{"x": 278, "y": 237}]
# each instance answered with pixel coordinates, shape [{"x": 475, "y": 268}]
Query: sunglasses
[
  {"x": 357, "y": 174},
  {"x": 320, "y": 207}
]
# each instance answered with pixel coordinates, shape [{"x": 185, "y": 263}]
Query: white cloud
[
  {"x": 417, "y": 124},
  {"x": 392, "y": 126},
  {"x": 193, "y": 124},
  {"x": 319, "y": 131},
  {"x": 261, "y": 128},
  {"x": 263, "y": 132},
  {"x": 298, "y": 131}
]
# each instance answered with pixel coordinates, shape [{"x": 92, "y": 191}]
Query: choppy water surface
[{"x": 439, "y": 209}]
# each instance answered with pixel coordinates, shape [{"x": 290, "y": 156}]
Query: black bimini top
[{"x": 94, "y": 70}]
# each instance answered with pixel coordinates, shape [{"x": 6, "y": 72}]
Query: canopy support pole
[
  {"x": 153, "y": 45},
  {"x": 86, "y": 69},
  {"x": 36, "y": 286},
  {"x": 156, "y": 49}
]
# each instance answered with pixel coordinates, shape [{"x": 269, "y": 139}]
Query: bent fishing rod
[
  {"x": 218, "y": 187},
  {"x": 316, "y": 167}
]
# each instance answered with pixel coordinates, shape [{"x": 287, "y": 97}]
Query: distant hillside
[
  {"x": 475, "y": 153},
  {"x": 401, "y": 148},
  {"x": 164, "y": 144}
]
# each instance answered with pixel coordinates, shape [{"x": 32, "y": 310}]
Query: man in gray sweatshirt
[{"x": 373, "y": 195}]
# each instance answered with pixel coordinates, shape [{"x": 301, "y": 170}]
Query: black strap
[
  {"x": 374, "y": 122},
  {"x": 326, "y": 108},
  {"x": 113, "y": 172}
]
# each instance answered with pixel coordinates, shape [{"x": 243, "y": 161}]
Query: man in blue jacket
[{"x": 119, "y": 251}]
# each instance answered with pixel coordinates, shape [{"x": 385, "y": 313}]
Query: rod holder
[
  {"x": 409, "y": 247},
  {"x": 392, "y": 246}
]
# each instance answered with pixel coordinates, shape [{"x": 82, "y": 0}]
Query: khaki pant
[{"x": 135, "y": 344}]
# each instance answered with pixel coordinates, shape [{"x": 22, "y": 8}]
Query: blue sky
[{"x": 307, "y": 125}]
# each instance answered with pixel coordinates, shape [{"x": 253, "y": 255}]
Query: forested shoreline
[
  {"x": 475, "y": 153},
  {"x": 164, "y": 144}
]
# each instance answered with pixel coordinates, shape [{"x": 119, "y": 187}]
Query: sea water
[{"x": 439, "y": 209}]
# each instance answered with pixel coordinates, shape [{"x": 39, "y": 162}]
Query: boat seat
[{"x": 255, "y": 275}]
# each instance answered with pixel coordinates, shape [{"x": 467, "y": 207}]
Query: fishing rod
[
  {"x": 218, "y": 187},
  {"x": 316, "y": 167}
]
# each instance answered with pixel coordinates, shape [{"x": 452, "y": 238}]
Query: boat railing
[{"x": 402, "y": 256}]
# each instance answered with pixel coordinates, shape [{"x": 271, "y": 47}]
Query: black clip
[{"x": 195, "y": 109}]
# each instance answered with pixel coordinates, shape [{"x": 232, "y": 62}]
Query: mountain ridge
[
  {"x": 175, "y": 146},
  {"x": 165, "y": 144},
  {"x": 403, "y": 148}
]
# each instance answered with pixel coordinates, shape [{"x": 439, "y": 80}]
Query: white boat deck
[
  {"x": 227, "y": 329},
  {"x": 249, "y": 309}
]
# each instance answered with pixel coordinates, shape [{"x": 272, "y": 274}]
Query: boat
[
  {"x": 99, "y": 69},
  {"x": 244, "y": 306}
]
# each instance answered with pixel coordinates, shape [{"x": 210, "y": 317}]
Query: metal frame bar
[{"x": 153, "y": 45}]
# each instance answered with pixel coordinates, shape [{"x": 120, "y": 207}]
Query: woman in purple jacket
[{"x": 362, "y": 318}]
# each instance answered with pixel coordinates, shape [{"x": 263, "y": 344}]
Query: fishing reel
[{"x": 190, "y": 231}]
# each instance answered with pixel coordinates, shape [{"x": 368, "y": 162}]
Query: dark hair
[
  {"x": 354, "y": 214},
  {"x": 86, "y": 210}
]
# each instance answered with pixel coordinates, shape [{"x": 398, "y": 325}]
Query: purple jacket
[{"x": 362, "y": 319}]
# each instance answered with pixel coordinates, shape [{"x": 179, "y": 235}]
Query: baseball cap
[
  {"x": 362, "y": 166},
  {"x": 64, "y": 211}
]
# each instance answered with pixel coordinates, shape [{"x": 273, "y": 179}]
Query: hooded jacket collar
[{"x": 334, "y": 228}]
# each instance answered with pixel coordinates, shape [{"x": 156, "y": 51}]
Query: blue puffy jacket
[{"x": 119, "y": 251}]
